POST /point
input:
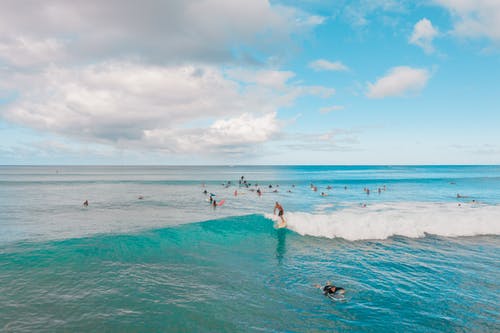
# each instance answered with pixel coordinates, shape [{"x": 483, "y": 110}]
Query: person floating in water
[
  {"x": 281, "y": 211},
  {"x": 86, "y": 203},
  {"x": 331, "y": 290}
]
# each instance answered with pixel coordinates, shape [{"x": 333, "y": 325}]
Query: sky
[{"x": 232, "y": 82}]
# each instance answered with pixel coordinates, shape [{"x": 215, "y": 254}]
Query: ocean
[{"x": 419, "y": 253}]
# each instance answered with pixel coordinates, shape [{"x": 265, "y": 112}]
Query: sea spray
[{"x": 410, "y": 219}]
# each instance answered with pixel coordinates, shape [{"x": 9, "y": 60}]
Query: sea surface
[{"x": 150, "y": 254}]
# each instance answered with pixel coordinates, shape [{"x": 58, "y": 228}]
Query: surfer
[
  {"x": 281, "y": 211},
  {"x": 86, "y": 203},
  {"x": 331, "y": 290}
]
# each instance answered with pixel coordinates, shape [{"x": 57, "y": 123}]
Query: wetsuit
[{"x": 330, "y": 290}]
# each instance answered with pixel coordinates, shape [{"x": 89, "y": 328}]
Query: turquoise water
[{"x": 411, "y": 260}]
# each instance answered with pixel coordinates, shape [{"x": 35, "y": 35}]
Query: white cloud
[
  {"x": 423, "y": 34},
  {"x": 363, "y": 12},
  {"x": 25, "y": 51},
  {"x": 161, "y": 107},
  {"x": 478, "y": 18},
  {"x": 269, "y": 78},
  {"x": 244, "y": 129},
  {"x": 325, "y": 65},
  {"x": 329, "y": 109},
  {"x": 234, "y": 135},
  {"x": 399, "y": 81}
]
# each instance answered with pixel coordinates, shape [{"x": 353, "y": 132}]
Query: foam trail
[{"x": 410, "y": 219}]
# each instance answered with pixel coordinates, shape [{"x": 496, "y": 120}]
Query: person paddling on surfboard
[
  {"x": 281, "y": 211},
  {"x": 330, "y": 290}
]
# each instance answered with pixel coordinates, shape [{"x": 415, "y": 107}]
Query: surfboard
[
  {"x": 220, "y": 203},
  {"x": 281, "y": 224},
  {"x": 337, "y": 297}
]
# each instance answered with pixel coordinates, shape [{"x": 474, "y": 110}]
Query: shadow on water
[{"x": 281, "y": 244}]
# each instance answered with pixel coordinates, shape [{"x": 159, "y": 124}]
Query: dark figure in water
[
  {"x": 330, "y": 290},
  {"x": 86, "y": 203}
]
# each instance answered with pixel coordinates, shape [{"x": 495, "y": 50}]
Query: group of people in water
[{"x": 328, "y": 289}]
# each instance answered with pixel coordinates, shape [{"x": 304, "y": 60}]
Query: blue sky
[{"x": 250, "y": 82}]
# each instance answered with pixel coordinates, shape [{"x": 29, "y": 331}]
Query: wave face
[
  {"x": 410, "y": 219},
  {"x": 240, "y": 275}
]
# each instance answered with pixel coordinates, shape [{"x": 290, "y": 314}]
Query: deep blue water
[{"x": 411, "y": 260}]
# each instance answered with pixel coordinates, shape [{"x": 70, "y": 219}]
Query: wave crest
[{"x": 381, "y": 221}]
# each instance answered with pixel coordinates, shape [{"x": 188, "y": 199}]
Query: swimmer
[
  {"x": 140, "y": 197},
  {"x": 214, "y": 203},
  {"x": 86, "y": 203},
  {"x": 323, "y": 194},
  {"x": 328, "y": 187},
  {"x": 235, "y": 193},
  {"x": 330, "y": 290},
  {"x": 281, "y": 211}
]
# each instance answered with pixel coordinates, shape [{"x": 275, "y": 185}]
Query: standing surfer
[{"x": 281, "y": 211}]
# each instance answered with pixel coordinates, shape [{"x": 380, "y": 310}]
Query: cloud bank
[
  {"x": 159, "y": 75},
  {"x": 153, "y": 30},
  {"x": 176, "y": 109}
]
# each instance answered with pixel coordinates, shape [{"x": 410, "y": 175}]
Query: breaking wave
[{"x": 410, "y": 219}]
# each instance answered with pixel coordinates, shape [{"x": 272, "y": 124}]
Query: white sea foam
[{"x": 410, "y": 219}]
